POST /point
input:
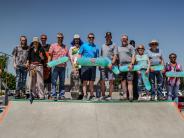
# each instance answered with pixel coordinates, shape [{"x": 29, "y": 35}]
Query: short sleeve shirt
[
  {"x": 58, "y": 51},
  {"x": 21, "y": 54},
  {"x": 89, "y": 50},
  {"x": 109, "y": 51},
  {"x": 154, "y": 56},
  {"x": 125, "y": 54},
  {"x": 142, "y": 60}
]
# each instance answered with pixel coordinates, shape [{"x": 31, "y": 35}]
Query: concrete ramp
[{"x": 92, "y": 120}]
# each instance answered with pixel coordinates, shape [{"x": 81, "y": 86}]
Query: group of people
[{"x": 32, "y": 61}]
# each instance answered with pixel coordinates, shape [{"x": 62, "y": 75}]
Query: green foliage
[
  {"x": 3, "y": 61},
  {"x": 10, "y": 80}
]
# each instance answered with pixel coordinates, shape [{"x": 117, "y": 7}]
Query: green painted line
[{"x": 98, "y": 102}]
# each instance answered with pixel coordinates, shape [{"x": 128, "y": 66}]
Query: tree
[{"x": 8, "y": 78}]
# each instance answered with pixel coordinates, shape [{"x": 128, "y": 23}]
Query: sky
[{"x": 141, "y": 20}]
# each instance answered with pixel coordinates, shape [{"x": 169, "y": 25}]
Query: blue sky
[{"x": 141, "y": 20}]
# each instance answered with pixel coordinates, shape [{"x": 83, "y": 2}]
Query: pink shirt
[
  {"x": 56, "y": 51},
  {"x": 172, "y": 80}
]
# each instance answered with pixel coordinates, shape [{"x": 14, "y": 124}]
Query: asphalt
[{"x": 91, "y": 120}]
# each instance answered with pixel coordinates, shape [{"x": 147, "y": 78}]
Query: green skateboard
[
  {"x": 103, "y": 62},
  {"x": 145, "y": 79},
  {"x": 58, "y": 61},
  {"x": 157, "y": 67},
  {"x": 175, "y": 74},
  {"x": 126, "y": 69}
]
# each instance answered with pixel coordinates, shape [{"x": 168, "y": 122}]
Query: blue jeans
[
  {"x": 173, "y": 92},
  {"x": 58, "y": 72},
  {"x": 21, "y": 75},
  {"x": 140, "y": 84},
  {"x": 156, "y": 76}
]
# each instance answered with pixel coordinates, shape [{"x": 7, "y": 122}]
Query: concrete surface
[{"x": 92, "y": 120}]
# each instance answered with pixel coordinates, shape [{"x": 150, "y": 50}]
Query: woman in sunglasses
[
  {"x": 142, "y": 59},
  {"x": 155, "y": 56},
  {"x": 172, "y": 82}
]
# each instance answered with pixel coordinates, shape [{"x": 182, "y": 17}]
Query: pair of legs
[
  {"x": 88, "y": 74},
  {"x": 58, "y": 72},
  {"x": 106, "y": 74},
  {"x": 21, "y": 75},
  {"x": 127, "y": 85},
  {"x": 36, "y": 81},
  {"x": 156, "y": 78},
  {"x": 173, "y": 92},
  {"x": 140, "y": 86}
]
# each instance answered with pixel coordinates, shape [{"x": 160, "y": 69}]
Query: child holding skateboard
[
  {"x": 173, "y": 82},
  {"x": 142, "y": 60}
]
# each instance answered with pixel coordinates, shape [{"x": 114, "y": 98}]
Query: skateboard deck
[
  {"x": 157, "y": 67},
  {"x": 145, "y": 79},
  {"x": 103, "y": 62},
  {"x": 125, "y": 68},
  {"x": 175, "y": 74},
  {"x": 58, "y": 61}
]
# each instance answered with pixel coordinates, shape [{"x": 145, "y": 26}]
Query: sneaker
[
  {"x": 131, "y": 99},
  {"x": 54, "y": 98},
  {"x": 152, "y": 98},
  {"x": 92, "y": 98},
  {"x": 85, "y": 98},
  {"x": 108, "y": 98},
  {"x": 61, "y": 98},
  {"x": 121, "y": 93},
  {"x": 102, "y": 98}
]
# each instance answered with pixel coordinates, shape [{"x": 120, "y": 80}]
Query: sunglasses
[
  {"x": 91, "y": 37},
  {"x": 154, "y": 44},
  {"x": 140, "y": 49},
  {"x": 43, "y": 38}
]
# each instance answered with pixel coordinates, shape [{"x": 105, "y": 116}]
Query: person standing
[
  {"x": 109, "y": 50},
  {"x": 46, "y": 69},
  {"x": 58, "y": 50},
  {"x": 20, "y": 55},
  {"x": 143, "y": 60},
  {"x": 173, "y": 83},
  {"x": 76, "y": 69},
  {"x": 88, "y": 73},
  {"x": 156, "y": 58},
  {"x": 126, "y": 53},
  {"x": 36, "y": 61}
]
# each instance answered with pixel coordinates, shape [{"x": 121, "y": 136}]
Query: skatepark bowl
[{"x": 78, "y": 119}]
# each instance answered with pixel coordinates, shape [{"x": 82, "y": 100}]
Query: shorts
[
  {"x": 127, "y": 76},
  {"x": 106, "y": 74},
  {"x": 88, "y": 73}
]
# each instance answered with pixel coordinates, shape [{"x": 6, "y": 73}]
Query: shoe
[
  {"x": 54, "y": 98},
  {"x": 43, "y": 98},
  {"x": 85, "y": 98},
  {"x": 121, "y": 93},
  {"x": 80, "y": 97},
  {"x": 92, "y": 98},
  {"x": 109, "y": 98},
  {"x": 61, "y": 98},
  {"x": 102, "y": 98},
  {"x": 131, "y": 99},
  {"x": 161, "y": 98},
  {"x": 17, "y": 96},
  {"x": 152, "y": 98}
]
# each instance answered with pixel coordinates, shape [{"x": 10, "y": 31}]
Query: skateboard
[
  {"x": 125, "y": 68},
  {"x": 157, "y": 67},
  {"x": 103, "y": 62},
  {"x": 145, "y": 79},
  {"x": 58, "y": 61},
  {"x": 174, "y": 74}
]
